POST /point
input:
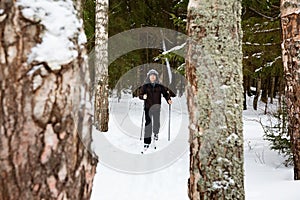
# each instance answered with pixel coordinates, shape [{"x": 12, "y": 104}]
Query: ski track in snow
[{"x": 266, "y": 178}]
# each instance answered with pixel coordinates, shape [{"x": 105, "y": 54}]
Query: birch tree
[
  {"x": 42, "y": 99},
  {"x": 215, "y": 99},
  {"x": 290, "y": 56},
  {"x": 101, "y": 116}
]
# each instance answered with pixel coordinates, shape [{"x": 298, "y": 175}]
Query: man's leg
[
  {"x": 156, "y": 121},
  {"x": 148, "y": 127}
]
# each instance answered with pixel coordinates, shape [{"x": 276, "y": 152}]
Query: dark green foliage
[
  {"x": 261, "y": 44},
  {"x": 89, "y": 22},
  {"x": 261, "y": 38},
  {"x": 125, "y": 15},
  {"x": 277, "y": 135}
]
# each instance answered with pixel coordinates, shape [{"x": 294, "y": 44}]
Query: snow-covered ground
[{"x": 266, "y": 178}]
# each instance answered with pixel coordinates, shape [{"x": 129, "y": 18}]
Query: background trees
[
  {"x": 262, "y": 66},
  {"x": 262, "y": 63}
]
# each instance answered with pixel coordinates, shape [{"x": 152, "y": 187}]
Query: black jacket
[{"x": 154, "y": 93}]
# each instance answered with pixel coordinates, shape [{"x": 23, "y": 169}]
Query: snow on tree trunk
[
  {"x": 290, "y": 21},
  {"x": 101, "y": 116},
  {"x": 42, "y": 67},
  {"x": 215, "y": 99}
]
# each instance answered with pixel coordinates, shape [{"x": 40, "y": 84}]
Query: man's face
[{"x": 152, "y": 78}]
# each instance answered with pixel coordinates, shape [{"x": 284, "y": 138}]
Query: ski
[
  {"x": 154, "y": 144},
  {"x": 146, "y": 147},
  {"x": 149, "y": 148}
]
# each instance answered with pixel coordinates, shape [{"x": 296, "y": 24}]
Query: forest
[{"x": 177, "y": 99}]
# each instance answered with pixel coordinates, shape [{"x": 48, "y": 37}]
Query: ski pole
[
  {"x": 169, "y": 122},
  {"x": 142, "y": 124}
]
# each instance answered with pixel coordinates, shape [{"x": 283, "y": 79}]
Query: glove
[{"x": 145, "y": 96}]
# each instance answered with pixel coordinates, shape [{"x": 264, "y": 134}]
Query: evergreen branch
[
  {"x": 263, "y": 15},
  {"x": 257, "y": 44},
  {"x": 267, "y": 31}
]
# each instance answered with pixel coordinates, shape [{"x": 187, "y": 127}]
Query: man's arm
[
  {"x": 142, "y": 93},
  {"x": 167, "y": 93}
]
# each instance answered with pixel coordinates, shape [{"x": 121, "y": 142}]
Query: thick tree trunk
[
  {"x": 215, "y": 99},
  {"x": 290, "y": 23},
  {"x": 101, "y": 115},
  {"x": 41, "y": 154}
]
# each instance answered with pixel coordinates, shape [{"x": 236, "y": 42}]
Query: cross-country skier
[{"x": 151, "y": 93}]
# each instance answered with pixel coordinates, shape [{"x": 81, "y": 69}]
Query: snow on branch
[
  {"x": 174, "y": 49},
  {"x": 267, "y": 31},
  {"x": 268, "y": 64},
  {"x": 257, "y": 44},
  {"x": 62, "y": 31}
]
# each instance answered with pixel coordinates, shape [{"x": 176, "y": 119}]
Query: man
[{"x": 151, "y": 93}]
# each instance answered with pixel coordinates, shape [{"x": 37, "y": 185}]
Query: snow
[
  {"x": 253, "y": 88},
  {"x": 258, "y": 69},
  {"x": 223, "y": 184},
  {"x": 36, "y": 67},
  {"x": 232, "y": 137},
  {"x": 57, "y": 47},
  {"x": 37, "y": 81},
  {"x": 257, "y": 55},
  {"x": 167, "y": 60},
  {"x": 176, "y": 48},
  {"x": 224, "y": 87},
  {"x": 269, "y": 64},
  {"x": 266, "y": 178},
  {"x": 193, "y": 4}
]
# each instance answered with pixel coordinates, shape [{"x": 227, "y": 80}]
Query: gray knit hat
[{"x": 152, "y": 71}]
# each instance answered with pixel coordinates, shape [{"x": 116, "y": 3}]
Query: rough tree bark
[
  {"x": 290, "y": 23},
  {"x": 215, "y": 99},
  {"x": 41, "y": 154},
  {"x": 101, "y": 115}
]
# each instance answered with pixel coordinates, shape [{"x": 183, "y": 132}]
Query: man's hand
[
  {"x": 170, "y": 101},
  {"x": 145, "y": 96}
]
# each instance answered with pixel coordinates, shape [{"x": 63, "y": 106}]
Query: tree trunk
[
  {"x": 258, "y": 89},
  {"x": 264, "y": 89},
  {"x": 215, "y": 99},
  {"x": 272, "y": 90},
  {"x": 101, "y": 115},
  {"x": 42, "y": 156},
  {"x": 246, "y": 87},
  {"x": 290, "y": 22}
]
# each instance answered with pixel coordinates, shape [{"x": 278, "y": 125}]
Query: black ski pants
[{"x": 152, "y": 116}]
